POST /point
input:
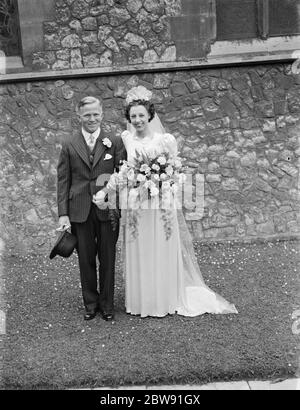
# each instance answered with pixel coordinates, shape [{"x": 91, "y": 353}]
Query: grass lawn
[{"x": 48, "y": 345}]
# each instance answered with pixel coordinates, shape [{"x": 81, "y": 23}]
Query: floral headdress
[{"x": 138, "y": 93}]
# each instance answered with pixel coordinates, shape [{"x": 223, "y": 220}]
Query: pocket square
[{"x": 107, "y": 156}]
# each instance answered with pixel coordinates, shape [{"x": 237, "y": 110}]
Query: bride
[{"x": 162, "y": 275}]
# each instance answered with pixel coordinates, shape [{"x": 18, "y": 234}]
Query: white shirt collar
[{"x": 87, "y": 134}]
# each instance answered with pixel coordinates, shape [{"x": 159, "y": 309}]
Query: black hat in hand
[{"x": 64, "y": 246}]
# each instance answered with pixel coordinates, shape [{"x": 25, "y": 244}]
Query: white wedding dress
[{"x": 162, "y": 276}]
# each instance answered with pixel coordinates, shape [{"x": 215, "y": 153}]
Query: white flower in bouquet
[
  {"x": 145, "y": 168},
  {"x": 155, "y": 167},
  {"x": 141, "y": 178},
  {"x": 169, "y": 170},
  {"x": 161, "y": 160},
  {"x": 163, "y": 176},
  {"x": 156, "y": 177}
]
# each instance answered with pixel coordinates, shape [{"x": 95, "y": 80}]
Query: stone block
[
  {"x": 228, "y": 107},
  {"x": 230, "y": 184},
  {"x": 211, "y": 178},
  {"x": 50, "y": 27},
  {"x": 193, "y": 85},
  {"x": 63, "y": 15},
  {"x": 173, "y": 7},
  {"x": 211, "y": 110},
  {"x": 162, "y": 80},
  {"x": 264, "y": 109},
  {"x": 133, "y": 6},
  {"x": 111, "y": 43},
  {"x": 255, "y": 78},
  {"x": 105, "y": 59},
  {"x": 79, "y": 9},
  {"x": 135, "y": 55},
  {"x": 98, "y": 10},
  {"x": 150, "y": 56},
  {"x": 118, "y": 16},
  {"x": 91, "y": 60},
  {"x": 239, "y": 84},
  {"x": 89, "y": 23},
  {"x": 263, "y": 185},
  {"x": 76, "y": 58},
  {"x": 135, "y": 40},
  {"x": 31, "y": 216},
  {"x": 269, "y": 126},
  {"x": 71, "y": 41},
  {"x": 280, "y": 107},
  {"x": 287, "y": 168},
  {"x": 52, "y": 42},
  {"x": 284, "y": 81},
  {"x": 63, "y": 54},
  {"x": 178, "y": 89},
  {"x": 154, "y": 6},
  {"x": 266, "y": 228},
  {"x": 61, "y": 65},
  {"x": 257, "y": 93},
  {"x": 294, "y": 101}
]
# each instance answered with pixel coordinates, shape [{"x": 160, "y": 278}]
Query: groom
[{"x": 89, "y": 155}]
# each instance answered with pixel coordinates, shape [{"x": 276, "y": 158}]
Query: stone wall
[
  {"x": 104, "y": 33},
  {"x": 237, "y": 126}
]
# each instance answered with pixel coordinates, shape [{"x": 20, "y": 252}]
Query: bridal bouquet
[{"x": 151, "y": 181}]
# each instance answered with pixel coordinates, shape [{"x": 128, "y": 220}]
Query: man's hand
[
  {"x": 99, "y": 199},
  {"x": 64, "y": 223}
]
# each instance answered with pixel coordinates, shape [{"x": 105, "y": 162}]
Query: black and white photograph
[{"x": 150, "y": 192}]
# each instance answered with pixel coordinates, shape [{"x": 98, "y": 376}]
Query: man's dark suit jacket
[{"x": 77, "y": 176}]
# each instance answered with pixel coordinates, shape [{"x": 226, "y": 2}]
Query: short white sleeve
[{"x": 170, "y": 144}]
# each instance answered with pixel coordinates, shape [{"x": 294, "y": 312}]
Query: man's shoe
[
  {"x": 89, "y": 315},
  {"x": 107, "y": 316}
]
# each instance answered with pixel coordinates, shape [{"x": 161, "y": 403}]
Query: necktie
[{"x": 91, "y": 142}]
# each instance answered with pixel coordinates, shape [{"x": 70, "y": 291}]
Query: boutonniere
[
  {"x": 107, "y": 156},
  {"x": 107, "y": 142}
]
